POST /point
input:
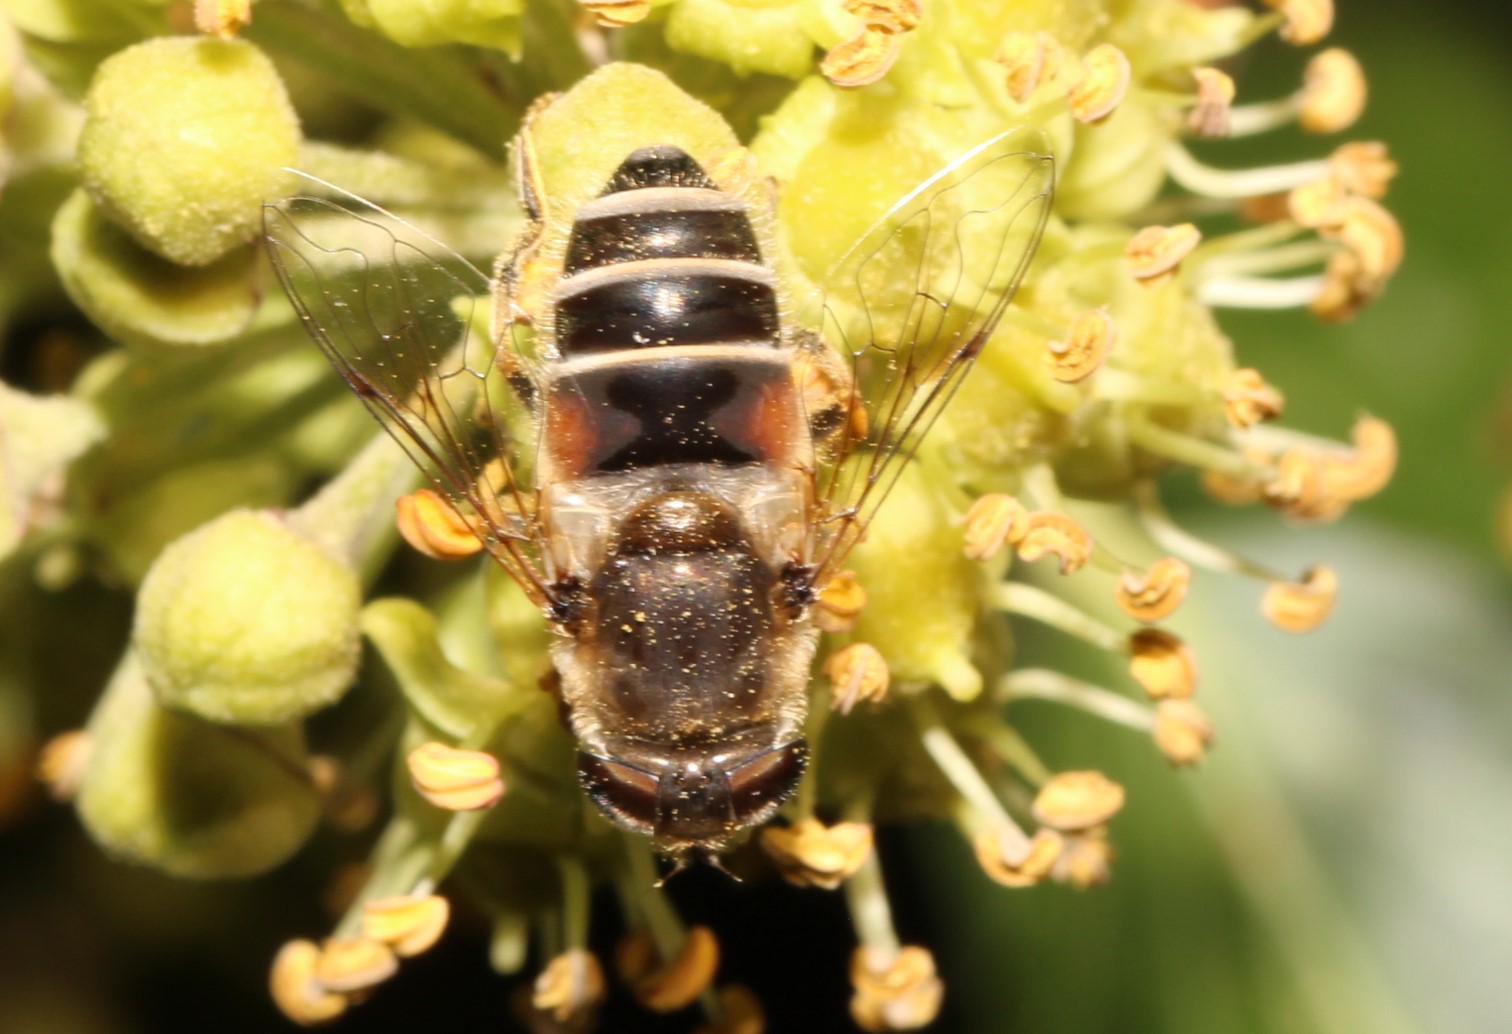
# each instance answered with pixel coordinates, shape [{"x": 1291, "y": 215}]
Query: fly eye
[
  {"x": 769, "y": 778},
  {"x": 625, "y": 793}
]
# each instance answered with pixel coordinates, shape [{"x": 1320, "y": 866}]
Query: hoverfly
[{"x": 670, "y": 458}]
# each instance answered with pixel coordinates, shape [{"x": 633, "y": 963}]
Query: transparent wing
[
  {"x": 909, "y": 308},
  {"x": 392, "y": 308}
]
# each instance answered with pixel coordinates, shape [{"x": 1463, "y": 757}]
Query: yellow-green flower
[{"x": 193, "y": 441}]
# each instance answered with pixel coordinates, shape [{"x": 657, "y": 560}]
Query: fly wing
[
  {"x": 909, "y": 308},
  {"x": 393, "y": 310}
]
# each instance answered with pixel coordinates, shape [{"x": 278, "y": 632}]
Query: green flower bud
[
  {"x": 39, "y": 437},
  {"x": 139, "y": 298},
  {"x": 183, "y": 141},
  {"x": 246, "y": 621},
  {"x": 189, "y": 797}
]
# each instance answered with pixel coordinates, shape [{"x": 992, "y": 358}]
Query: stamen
[
  {"x": 1074, "y": 801},
  {"x": 840, "y": 603},
  {"x": 1249, "y": 400},
  {"x": 1031, "y": 58},
  {"x": 350, "y": 964},
  {"x": 1182, "y": 732},
  {"x": 810, "y": 854},
  {"x": 1154, "y": 594},
  {"x": 1058, "y": 534},
  {"x": 1189, "y": 547},
  {"x": 1102, "y": 86},
  {"x": 1043, "y": 684},
  {"x": 1085, "y": 860},
  {"x": 431, "y": 526},
  {"x": 1333, "y": 92},
  {"x": 1093, "y": 335},
  {"x": 1154, "y": 253},
  {"x": 857, "y": 673},
  {"x": 897, "y": 990},
  {"x": 222, "y": 19},
  {"x": 1363, "y": 167},
  {"x": 1048, "y": 609},
  {"x": 861, "y": 60},
  {"x": 889, "y": 16},
  {"x": 677, "y": 982},
  {"x": 62, "y": 763},
  {"x": 455, "y": 780},
  {"x": 570, "y": 987},
  {"x": 1215, "y": 97},
  {"x": 1162, "y": 664},
  {"x": 1302, "y": 606},
  {"x": 866, "y": 898},
  {"x": 1239, "y": 183},
  {"x": 1044, "y": 851},
  {"x": 992, "y": 521},
  {"x": 295, "y": 989},
  {"x": 1240, "y": 292},
  {"x": 1307, "y": 21},
  {"x": 962, "y": 774},
  {"x": 1193, "y": 452},
  {"x": 738, "y": 1012},
  {"x": 410, "y": 925}
]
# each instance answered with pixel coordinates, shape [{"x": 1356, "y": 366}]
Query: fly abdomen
[
  {"x": 671, "y": 406},
  {"x": 668, "y": 301},
  {"x": 661, "y": 258}
]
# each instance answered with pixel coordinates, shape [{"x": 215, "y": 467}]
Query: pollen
[
  {"x": 1092, "y": 337},
  {"x": 615, "y": 14},
  {"x": 1073, "y": 801},
  {"x": 1333, "y": 92},
  {"x": 350, "y": 964},
  {"x": 1307, "y": 21},
  {"x": 810, "y": 854},
  {"x": 1304, "y": 605},
  {"x": 1182, "y": 732},
  {"x": 1369, "y": 467},
  {"x": 455, "y": 780},
  {"x": 857, "y": 673},
  {"x": 1025, "y": 871},
  {"x": 430, "y": 525},
  {"x": 1162, "y": 664},
  {"x": 1249, "y": 400},
  {"x": 676, "y": 984},
  {"x": 1215, "y": 100},
  {"x": 570, "y": 986},
  {"x": 408, "y": 925},
  {"x": 994, "y": 520},
  {"x": 1154, "y": 253},
  {"x": 1104, "y": 82},
  {"x": 840, "y": 603},
  {"x": 862, "y": 60},
  {"x": 1031, "y": 58},
  {"x": 895, "y": 989},
  {"x": 1156, "y": 593},
  {"x": 296, "y": 991},
  {"x": 1050, "y": 533}
]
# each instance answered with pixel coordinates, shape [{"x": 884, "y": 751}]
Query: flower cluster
[{"x": 173, "y": 460}]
